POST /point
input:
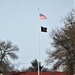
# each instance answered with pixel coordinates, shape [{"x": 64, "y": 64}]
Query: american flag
[{"x": 42, "y": 16}]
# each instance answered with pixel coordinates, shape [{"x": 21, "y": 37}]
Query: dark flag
[{"x": 43, "y": 29}]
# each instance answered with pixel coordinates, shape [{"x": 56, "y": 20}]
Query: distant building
[{"x": 36, "y": 73}]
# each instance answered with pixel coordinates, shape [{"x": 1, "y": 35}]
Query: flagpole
[
  {"x": 38, "y": 44},
  {"x": 39, "y": 54},
  {"x": 44, "y": 30}
]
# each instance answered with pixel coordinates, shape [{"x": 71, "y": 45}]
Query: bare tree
[
  {"x": 64, "y": 44},
  {"x": 7, "y": 53}
]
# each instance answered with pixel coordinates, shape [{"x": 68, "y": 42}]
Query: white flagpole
[{"x": 38, "y": 44}]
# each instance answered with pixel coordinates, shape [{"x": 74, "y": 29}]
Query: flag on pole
[
  {"x": 42, "y": 16},
  {"x": 43, "y": 29}
]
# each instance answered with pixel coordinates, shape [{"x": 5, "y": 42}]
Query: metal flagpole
[
  {"x": 39, "y": 28},
  {"x": 38, "y": 44}
]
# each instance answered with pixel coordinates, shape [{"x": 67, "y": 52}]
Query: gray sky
[{"x": 19, "y": 24}]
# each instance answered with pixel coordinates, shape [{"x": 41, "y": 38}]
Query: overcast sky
[{"x": 19, "y": 24}]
